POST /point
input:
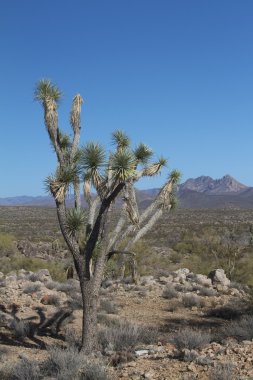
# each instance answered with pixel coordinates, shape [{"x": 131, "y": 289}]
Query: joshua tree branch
[
  {"x": 96, "y": 230},
  {"x": 70, "y": 240}
]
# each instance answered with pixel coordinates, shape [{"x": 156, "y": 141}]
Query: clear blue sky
[{"x": 177, "y": 75}]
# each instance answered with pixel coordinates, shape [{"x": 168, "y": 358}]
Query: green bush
[
  {"x": 19, "y": 261},
  {"x": 7, "y": 244}
]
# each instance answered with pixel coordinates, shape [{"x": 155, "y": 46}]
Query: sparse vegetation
[
  {"x": 71, "y": 363},
  {"x": 7, "y": 244},
  {"x": 190, "y": 300},
  {"x": 32, "y": 264},
  {"x": 223, "y": 371},
  {"x": 190, "y": 338},
  {"x": 241, "y": 329},
  {"x": 124, "y": 336},
  {"x": 108, "y": 306},
  {"x": 26, "y": 369},
  {"x": 53, "y": 299},
  {"x": 32, "y": 288},
  {"x": 170, "y": 292}
]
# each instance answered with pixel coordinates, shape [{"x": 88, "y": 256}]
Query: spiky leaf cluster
[
  {"x": 175, "y": 176},
  {"x": 67, "y": 174},
  {"x": 75, "y": 220},
  {"x": 92, "y": 156},
  {"x": 56, "y": 188},
  {"x": 45, "y": 89},
  {"x": 123, "y": 165},
  {"x": 143, "y": 153},
  {"x": 120, "y": 139},
  {"x": 92, "y": 160},
  {"x": 64, "y": 140},
  {"x": 174, "y": 202}
]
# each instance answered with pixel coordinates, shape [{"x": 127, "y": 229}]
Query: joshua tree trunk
[
  {"x": 89, "y": 291},
  {"x": 90, "y": 297}
]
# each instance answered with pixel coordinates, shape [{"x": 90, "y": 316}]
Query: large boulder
[{"x": 218, "y": 277}]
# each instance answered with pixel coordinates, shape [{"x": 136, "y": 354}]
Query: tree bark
[{"x": 89, "y": 291}]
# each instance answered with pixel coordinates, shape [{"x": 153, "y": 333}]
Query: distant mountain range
[
  {"x": 206, "y": 192},
  {"x": 201, "y": 192}
]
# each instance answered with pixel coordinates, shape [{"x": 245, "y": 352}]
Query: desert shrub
[
  {"x": 63, "y": 363},
  {"x": 94, "y": 370},
  {"x": 53, "y": 299},
  {"x": 190, "y": 355},
  {"x": 72, "y": 337},
  {"x": 33, "y": 264},
  {"x": 169, "y": 292},
  {"x": 32, "y": 288},
  {"x": 108, "y": 307},
  {"x": 163, "y": 273},
  {"x": 241, "y": 329},
  {"x": 121, "y": 357},
  {"x": 175, "y": 257},
  {"x": 51, "y": 285},
  {"x": 26, "y": 369},
  {"x": 33, "y": 277},
  {"x": 107, "y": 319},
  {"x": 75, "y": 302},
  {"x": 184, "y": 288},
  {"x": 207, "y": 292},
  {"x": 239, "y": 286},
  {"x": 68, "y": 287},
  {"x": 7, "y": 244},
  {"x": 223, "y": 371},
  {"x": 190, "y": 300},
  {"x": 3, "y": 352},
  {"x": 148, "y": 262},
  {"x": 190, "y": 338},
  {"x": 125, "y": 336},
  {"x": 6, "y": 372},
  {"x": 173, "y": 305}
]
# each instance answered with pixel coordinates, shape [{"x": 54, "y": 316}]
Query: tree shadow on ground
[
  {"x": 24, "y": 331},
  {"x": 205, "y": 323}
]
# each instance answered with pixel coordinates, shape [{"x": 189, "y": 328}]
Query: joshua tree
[{"x": 91, "y": 236}]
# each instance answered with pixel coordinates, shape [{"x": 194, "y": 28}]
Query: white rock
[{"x": 141, "y": 352}]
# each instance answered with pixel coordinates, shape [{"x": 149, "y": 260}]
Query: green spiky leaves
[
  {"x": 173, "y": 201},
  {"x": 143, "y": 153},
  {"x": 93, "y": 156},
  {"x": 175, "y": 177},
  {"x": 120, "y": 139},
  {"x": 64, "y": 140},
  {"x": 75, "y": 220},
  {"x": 45, "y": 89},
  {"x": 59, "y": 183},
  {"x": 123, "y": 165},
  {"x": 67, "y": 174}
]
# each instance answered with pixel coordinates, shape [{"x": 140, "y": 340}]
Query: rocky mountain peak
[{"x": 206, "y": 184}]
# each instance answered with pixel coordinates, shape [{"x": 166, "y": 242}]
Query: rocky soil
[{"x": 201, "y": 327}]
